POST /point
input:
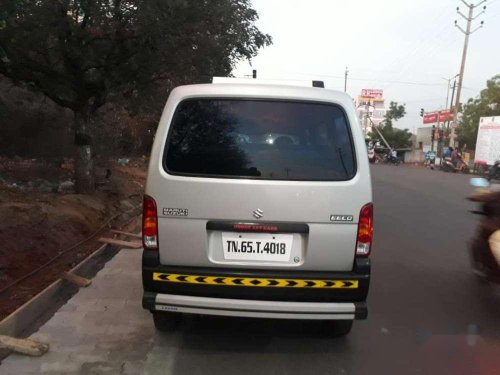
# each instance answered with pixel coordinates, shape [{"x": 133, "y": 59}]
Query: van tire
[
  {"x": 166, "y": 321},
  {"x": 337, "y": 328}
]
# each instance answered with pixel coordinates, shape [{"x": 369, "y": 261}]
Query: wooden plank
[
  {"x": 23, "y": 346},
  {"x": 24, "y": 317},
  {"x": 127, "y": 244},
  {"x": 81, "y": 282},
  {"x": 134, "y": 235}
]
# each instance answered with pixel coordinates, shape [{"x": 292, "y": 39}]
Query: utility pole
[
  {"x": 380, "y": 133},
  {"x": 467, "y": 32},
  {"x": 451, "y": 101},
  {"x": 345, "y": 79},
  {"x": 447, "y": 108},
  {"x": 448, "y": 91},
  {"x": 365, "y": 117}
]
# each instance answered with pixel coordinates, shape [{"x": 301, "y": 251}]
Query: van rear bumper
[
  {"x": 223, "y": 291},
  {"x": 254, "y": 308}
]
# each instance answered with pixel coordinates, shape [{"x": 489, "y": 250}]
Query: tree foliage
[
  {"x": 487, "y": 104},
  {"x": 397, "y": 138},
  {"x": 394, "y": 113},
  {"x": 81, "y": 53}
]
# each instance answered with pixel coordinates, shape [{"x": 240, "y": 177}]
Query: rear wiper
[{"x": 339, "y": 150}]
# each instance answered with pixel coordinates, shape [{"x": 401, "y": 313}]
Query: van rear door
[{"x": 259, "y": 183}]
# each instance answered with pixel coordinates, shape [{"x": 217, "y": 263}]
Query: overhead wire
[
  {"x": 360, "y": 79},
  {"x": 423, "y": 42}
]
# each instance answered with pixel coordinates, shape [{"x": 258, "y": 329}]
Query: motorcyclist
[
  {"x": 447, "y": 152},
  {"x": 494, "y": 172},
  {"x": 454, "y": 156},
  {"x": 485, "y": 245}
]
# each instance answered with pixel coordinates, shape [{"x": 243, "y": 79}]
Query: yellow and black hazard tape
[{"x": 254, "y": 282}]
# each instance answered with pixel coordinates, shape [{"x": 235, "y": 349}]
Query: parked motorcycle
[{"x": 485, "y": 246}]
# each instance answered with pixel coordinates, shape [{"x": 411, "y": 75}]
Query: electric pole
[
  {"x": 451, "y": 101},
  {"x": 447, "y": 108},
  {"x": 448, "y": 92},
  {"x": 467, "y": 32}
]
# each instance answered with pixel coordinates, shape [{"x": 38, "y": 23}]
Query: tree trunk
[{"x": 84, "y": 161}]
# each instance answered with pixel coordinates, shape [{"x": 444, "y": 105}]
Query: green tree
[
  {"x": 81, "y": 53},
  {"x": 394, "y": 113},
  {"x": 487, "y": 104},
  {"x": 397, "y": 138}
]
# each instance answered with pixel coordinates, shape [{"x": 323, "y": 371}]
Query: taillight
[
  {"x": 365, "y": 230},
  {"x": 149, "y": 224}
]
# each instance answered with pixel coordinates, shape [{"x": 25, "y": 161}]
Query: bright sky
[{"x": 405, "y": 48}]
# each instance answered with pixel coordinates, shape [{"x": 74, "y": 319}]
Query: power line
[
  {"x": 428, "y": 50},
  {"x": 424, "y": 42},
  {"x": 423, "y": 100},
  {"x": 366, "y": 79}
]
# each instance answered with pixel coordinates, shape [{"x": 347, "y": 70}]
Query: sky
[{"x": 406, "y": 48}]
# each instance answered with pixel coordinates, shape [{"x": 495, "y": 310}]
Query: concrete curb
[{"x": 19, "y": 321}]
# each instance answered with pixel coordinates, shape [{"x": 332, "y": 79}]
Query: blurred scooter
[
  {"x": 485, "y": 246},
  {"x": 448, "y": 166}
]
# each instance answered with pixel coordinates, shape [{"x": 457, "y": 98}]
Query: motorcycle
[
  {"x": 389, "y": 159},
  {"x": 448, "y": 166},
  {"x": 494, "y": 171},
  {"x": 485, "y": 246},
  {"x": 371, "y": 155}
]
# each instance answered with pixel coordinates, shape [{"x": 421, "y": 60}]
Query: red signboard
[
  {"x": 440, "y": 116},
  {"x": 372, "y": 93}
]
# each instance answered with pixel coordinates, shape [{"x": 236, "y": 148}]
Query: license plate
[{"x": 257, "y": 246}]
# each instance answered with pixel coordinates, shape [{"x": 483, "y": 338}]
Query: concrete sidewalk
[{"x": 102, "y": 329}]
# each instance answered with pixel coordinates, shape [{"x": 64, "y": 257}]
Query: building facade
[
  {"x": 424, "y": 138},
  {"x": 370, "y": 105}
]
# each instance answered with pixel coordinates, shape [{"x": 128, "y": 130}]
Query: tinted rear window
[{"x": 276, "y": 140}]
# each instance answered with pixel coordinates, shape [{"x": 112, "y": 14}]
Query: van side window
[{"x": 263, "y": 139}]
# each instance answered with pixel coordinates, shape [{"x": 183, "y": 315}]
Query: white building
[{"x": 370, "y": 105}]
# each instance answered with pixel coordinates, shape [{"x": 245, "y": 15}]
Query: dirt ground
[{"x": 41, "y": 217}]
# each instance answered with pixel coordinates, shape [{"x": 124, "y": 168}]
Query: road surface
[{"x": 427, "y": 314}]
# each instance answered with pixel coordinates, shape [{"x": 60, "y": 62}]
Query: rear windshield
[{"x": 273, "y": 140}]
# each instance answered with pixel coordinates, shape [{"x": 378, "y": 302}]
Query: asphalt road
[{"x": 427, "y": 313}]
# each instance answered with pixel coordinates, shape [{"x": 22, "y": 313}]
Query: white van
[{"x": 258, "y": 204}]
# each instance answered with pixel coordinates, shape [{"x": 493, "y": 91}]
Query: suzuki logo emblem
[{"x": 258, "y": 213}]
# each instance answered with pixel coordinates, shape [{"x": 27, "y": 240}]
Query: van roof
[
  {"x": 260, "y": 90},
  {"x": 278, "y": 82}
]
